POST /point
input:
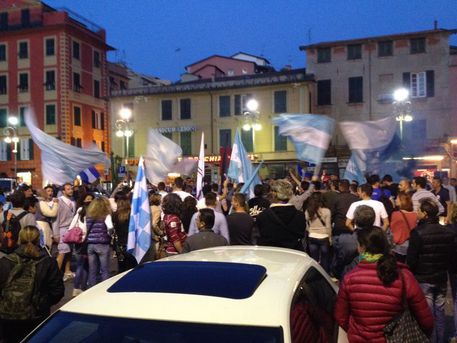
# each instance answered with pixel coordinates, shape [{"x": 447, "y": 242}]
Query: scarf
[{"x": 371, "y": 258}]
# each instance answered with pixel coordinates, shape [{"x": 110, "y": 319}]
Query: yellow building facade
[{"x": 218, "y": 108}]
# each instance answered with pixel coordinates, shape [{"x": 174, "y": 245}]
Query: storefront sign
[{"x": 177, "y": 129}]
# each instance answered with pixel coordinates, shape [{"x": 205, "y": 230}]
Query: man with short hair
[
  {"x": 206, "y": 237},
  {"x": 419, "y": 184},
  {"x": 431, "y": 255},
  {"x": 441, "y": 193},
  {"x": 178, "y": 188},
  {"x": 65, "y": 213},
  {"x": 452, "y": 195},
  {"x": 220, "y": 223},
  {"x": 365, "y": 193},
  {"x": 405, "y": 186},
  {"x": 388, "y": 183},
  {"x": 240, "y": 223},
  {"x": 161, "y": 189},
  {"x": 258, "y": 203}
]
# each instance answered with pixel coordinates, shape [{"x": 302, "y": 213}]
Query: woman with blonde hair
[
  {"x": 47, "y": 290},
  {"x": 99, "y": 225}
]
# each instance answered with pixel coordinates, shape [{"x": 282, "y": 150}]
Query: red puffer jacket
[{"x": 364, "y": 305}]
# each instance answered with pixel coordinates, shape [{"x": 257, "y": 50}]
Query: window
[
  {"x": 98, "y": 120},
  {"x": 355, "y": 89},
  {"x": 354, "y": 51},
  {"x": 4, "y": 21},
  {"x": 51, "y": 114},
  {"x": 23, "y": 82},
  {"x": 77, "y": 82},
  {"x": 50, "y": 80},
  {"x": 2, "y": 52},
  {"x": 184, "y": 105},
  {"x": 102, "y": 146},
  {"x": 77, "y": 116},
  {"x": 166, "y": 110},
  {"x": 280, "y": 141},
  {"x": 25, "y": 17},
  {"x": 168, "y": 135},
  {"x": 324, "y": 55},
  {"x": 225, "y": 138},
  {"x": 3, "y": 85},
  {"x": 324, "y": 92},
  {"x": 186, "y": 143},
  {"x": 75, "y": 50},
  {"x": 50, "y": 47},
  {"x": 385, "y": 48},
  {"x": 23, "y": 50},
  {"x": 131, "y": 146},
  {"x": 280, "y": 102},
  {"x": 421, "y": 84},
  {"x": 247, "y": 139},
  {"x": 96, "y": 89},
  {"x": 224, "y": 106},
  {"x": 122, "y": 85},
  {"x": 417, "y": 45},
  {"x": 311, "y": 313},
  {"x": 5, "y": 151},
  {"x": 22, "y": 111},
  {"x": 3, "y": 118},
  {"x": 96, "y": 59},
  {"x": 25, "y": 148},
  {"x": 238, "y": 105},
  {"x": 76, "y": 142}
]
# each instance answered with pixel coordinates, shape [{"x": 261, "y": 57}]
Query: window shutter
[
  {"x": 8, "y": 152},
  {"x": 430, "y": 77},
  {"x": 31, "y": 149},
  {"x": 3, "y": 151},
  {"x": 18, "y": 151},
  {"x": 407, "y": 80},
  {"x": 102, "y": 120},
  {"x": 94, "y": 120}
]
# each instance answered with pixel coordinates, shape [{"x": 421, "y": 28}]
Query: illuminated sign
[{"x": 177, "y": 129}]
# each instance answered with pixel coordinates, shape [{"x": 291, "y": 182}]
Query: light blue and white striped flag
[
  {"x": 310, "y": 133},
  {"x": 353, "y": 172},
  {"x": 240, "y": 167},
  {"x": 139, "y": 238},
  {"x": 368, "y": 140},
  {"x": 89, "y": 175}
]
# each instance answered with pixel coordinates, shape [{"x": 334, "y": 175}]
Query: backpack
[
  {"x": 9, "y": 231},
  {"x": 18, "y": 299},
  {"x": 385, "y": 199}
]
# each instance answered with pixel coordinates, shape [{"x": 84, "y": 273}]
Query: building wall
[
  {"x": 225, "y": 64},
  {"x": 57, "y": 25},
  {"x": 381, "y": 76},
  {"x": 205, "y": 117}
]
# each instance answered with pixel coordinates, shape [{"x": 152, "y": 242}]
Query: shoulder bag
[{"x": 403, "y": 328}]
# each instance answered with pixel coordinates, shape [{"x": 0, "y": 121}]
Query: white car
[{"x": 224, "y": 294}]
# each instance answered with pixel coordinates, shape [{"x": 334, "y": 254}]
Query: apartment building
[{"x": 53, "y": 62}]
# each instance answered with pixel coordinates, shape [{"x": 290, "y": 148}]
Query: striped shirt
[{"x": 423, "y": 194}]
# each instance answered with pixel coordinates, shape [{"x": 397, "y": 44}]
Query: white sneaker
[{"x": 68, "y": 276}]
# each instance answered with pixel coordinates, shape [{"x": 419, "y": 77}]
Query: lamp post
[
  {"x": 402, "y": 108},
  {"x": 123, "y": 129},
  {"x": 252, "y": 116},
  {"x": 11, "y": 137}
]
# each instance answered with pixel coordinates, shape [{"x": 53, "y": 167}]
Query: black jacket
[
  {"x": 281, "y": 226},
  {"x": 48, "y": 283},
  {"x": 431, "y": 253}
]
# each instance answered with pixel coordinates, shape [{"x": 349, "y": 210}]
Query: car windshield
[{"x": 73, "y": 327}]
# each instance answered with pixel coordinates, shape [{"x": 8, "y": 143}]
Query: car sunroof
[{"x": 219, "y": 279}]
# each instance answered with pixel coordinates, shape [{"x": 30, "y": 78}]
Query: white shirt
[
  {"x": 182, "y": 194},
  {"x": 452, "y": 195},
  {"x": 377, "y": 206}
]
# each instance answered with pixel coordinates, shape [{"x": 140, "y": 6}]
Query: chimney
[{"x": 435, "y": 24}]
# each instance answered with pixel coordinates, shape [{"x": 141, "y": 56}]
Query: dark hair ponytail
[
  {"x": 387, "y": 269},
  {"x": 374, "y": 240}
]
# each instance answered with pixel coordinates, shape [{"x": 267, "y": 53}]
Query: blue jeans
[
  {"x": 319, "y": 250},
  {"x": 82, "y": 268},
  {"x": 453, "y": 281},
  {"x": 99, "y": 255},
  {"x": 436, "y": 298}
]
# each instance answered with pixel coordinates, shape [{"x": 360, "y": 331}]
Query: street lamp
[
  {"x": 402, "y": 108},
  {"x": 11, "y": 137},
  {"x": 252, "y": 116},
  {"x": 123, "y": 128}
]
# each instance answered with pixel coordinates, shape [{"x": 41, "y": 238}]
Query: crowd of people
[{"x": 382, "y": 242}]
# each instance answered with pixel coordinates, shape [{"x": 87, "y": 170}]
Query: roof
[
  {"x": 206, "y": 66},
  {"x": 284, "y": 269},
  {"x": 220, "y": 56},
  {"x": 245, "y": 53},
  {"x": 377, "y": 38}
]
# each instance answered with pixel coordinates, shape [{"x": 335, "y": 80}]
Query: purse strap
[{"x": 406, "y": 220}]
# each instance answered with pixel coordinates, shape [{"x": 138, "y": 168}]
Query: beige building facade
[{"x": 218, "y": 108}]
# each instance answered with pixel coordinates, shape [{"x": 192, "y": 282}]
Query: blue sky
[{"x": 161, "y": 37}]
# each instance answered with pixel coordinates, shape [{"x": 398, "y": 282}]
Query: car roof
[{"x": 267, "y": 306}]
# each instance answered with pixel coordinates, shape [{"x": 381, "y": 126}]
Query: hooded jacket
[{"x": 281, "y": 225}]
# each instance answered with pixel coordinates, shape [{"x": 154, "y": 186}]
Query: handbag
[
  {"x": 403, "y": 328},
  {"x": 73, "y": 236}
]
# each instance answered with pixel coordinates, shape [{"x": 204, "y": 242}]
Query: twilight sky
[{"x": 161, "y": 37}]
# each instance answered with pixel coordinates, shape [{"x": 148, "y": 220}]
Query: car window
[
  {"x": 311, "y": 315},
  {"x": 78, "y": 328}
]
